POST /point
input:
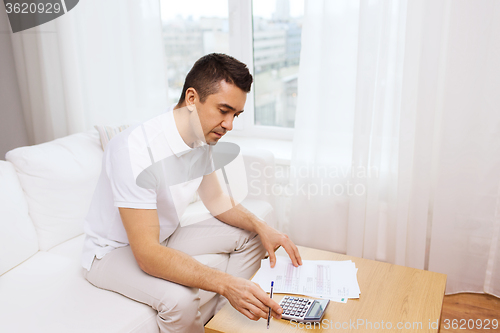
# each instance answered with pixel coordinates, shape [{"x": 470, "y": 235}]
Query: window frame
[{"x": 240, "y": 16}]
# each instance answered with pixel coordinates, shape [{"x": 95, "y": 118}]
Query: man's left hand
[{"x": 272, "y": 239}]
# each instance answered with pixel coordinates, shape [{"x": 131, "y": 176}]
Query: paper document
[{"x": 335, "y": 280}]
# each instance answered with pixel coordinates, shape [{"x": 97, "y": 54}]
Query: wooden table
[{"x": 393, "y": 297}]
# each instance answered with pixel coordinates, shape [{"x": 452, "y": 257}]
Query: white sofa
[{"x": 45, "y": 192}]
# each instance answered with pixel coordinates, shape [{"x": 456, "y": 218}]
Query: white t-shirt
[{"x": 128, "y": 158}]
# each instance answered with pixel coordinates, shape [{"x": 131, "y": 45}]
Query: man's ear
[{"x": 191, "y": 96}]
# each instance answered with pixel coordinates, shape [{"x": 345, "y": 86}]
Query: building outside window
[
  {"x": 195, "y": 28},
  {"x": 276, "y": 54}
]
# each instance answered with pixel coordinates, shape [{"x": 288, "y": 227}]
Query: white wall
[{"x": 12, "y": 128}]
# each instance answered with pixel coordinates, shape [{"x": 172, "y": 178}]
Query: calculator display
[{"x": 315, "y": 311}]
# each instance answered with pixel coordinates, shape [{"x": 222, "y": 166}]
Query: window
[
  {"x": 191, "y": 29},
  {"x": 265, "y": 34},
  {"x": 276, "y": 54}
]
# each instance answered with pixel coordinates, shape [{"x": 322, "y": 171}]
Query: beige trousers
[{"x": 178, "y": 305}]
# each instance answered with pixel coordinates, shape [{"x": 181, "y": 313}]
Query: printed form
[{"x": 335, "y": 280}]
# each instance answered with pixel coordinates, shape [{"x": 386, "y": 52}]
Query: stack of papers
[{"x": 335, "y": 280}]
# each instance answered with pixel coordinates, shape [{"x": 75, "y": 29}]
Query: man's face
[{"x": 219, "y": 111}]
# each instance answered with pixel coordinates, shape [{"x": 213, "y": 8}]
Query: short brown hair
[{"x": 209, "y": 70}]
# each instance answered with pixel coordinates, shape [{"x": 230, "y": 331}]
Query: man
[{"x": 134, "y": 244}]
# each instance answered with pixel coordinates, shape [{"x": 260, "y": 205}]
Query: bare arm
[
  {"x": 219, "y": 204},
  {"x": 143, "y": 230}
]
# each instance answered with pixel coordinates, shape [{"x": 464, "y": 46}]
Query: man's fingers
[
  {"x": 258, "y": 311},
  {"x": 270, "y": 303},
  {"x": 272, "y": 258},
  {"x": 261, "y": 309},
  {"x": 292, "y": 254},
  {"x": 297, "y": 254},
  {"x": 261, "y": 303},
  {"x": 249, "y": 314},
  {"x": 252, "y": 301},
  {"x": 262, "y": 300},
  {"x": 275, "y": 315}
]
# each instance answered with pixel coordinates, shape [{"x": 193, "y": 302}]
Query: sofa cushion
[
  {"x": 18, "y": 239},
  {"x": 58, "y": 179},
  {"x": 48, "y": 293},
  {"x": 72, "y": 249}
]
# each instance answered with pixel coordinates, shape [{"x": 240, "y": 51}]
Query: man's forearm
[
  {"x": 241, "y": 217},
  {"x": 179, "y": 267}
]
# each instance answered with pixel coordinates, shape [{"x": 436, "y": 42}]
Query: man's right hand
[{"x": 248, "y": 298}]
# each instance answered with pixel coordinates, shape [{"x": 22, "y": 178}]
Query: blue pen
[{"x": 269, "y": 316}]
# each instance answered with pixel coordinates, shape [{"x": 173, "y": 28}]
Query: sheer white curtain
[
  {"x": 397, "y": 137},
  {"x": 101, "y": 63}
]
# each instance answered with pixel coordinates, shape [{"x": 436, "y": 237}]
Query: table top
[{"x": 392, "y": 297}]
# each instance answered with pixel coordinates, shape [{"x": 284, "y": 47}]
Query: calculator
[{"x": 303, "y": 309}]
